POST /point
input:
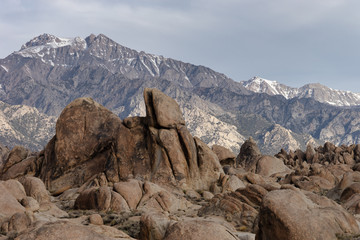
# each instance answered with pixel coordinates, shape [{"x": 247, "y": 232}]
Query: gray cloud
[{"x": 292, "y": 41}]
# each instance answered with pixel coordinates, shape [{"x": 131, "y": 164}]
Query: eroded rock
[{"x": 289, "y": 214}]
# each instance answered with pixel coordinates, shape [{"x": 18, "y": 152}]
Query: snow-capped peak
[
  {"x": 261, "y": 85},
  {"x": 316, "y": 91},
  {"x": 48, "y": 41}
]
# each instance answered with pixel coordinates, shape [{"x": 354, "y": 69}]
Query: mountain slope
[{"x": 23, "y": 125}]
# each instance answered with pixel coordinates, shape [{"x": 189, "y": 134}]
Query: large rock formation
[
  {"x": 91, "y": 140},
  {"x": 289, "y": 214}
]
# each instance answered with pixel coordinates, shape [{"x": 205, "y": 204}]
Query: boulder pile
[{"x": 101, "y": 177}]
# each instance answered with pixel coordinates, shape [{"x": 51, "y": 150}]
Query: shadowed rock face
[{"x": 90, "y": 140}]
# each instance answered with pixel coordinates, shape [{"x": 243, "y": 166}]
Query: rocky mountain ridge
[{"x": 315, "y": 91}]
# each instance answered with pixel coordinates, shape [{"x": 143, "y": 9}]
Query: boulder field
[{"x": 101, "y": 177}]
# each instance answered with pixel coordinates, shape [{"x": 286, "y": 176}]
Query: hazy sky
[{"x": 291, "y": 41}]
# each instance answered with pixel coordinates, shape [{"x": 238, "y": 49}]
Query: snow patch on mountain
[
  {"x": 5, "y": 68},
  {"x": 261, "y": 85}
]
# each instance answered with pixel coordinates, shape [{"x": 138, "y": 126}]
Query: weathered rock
[
  {"x": 314, "y": 184},
  {"x": 310, "y": 152},
  {"x": 226, "y": 156},
  {"x": 52, "y": 210},
  {"x": 233, "y": 183},
  {"x": 19, "y": 222},
  {"x": 110, "y": 232},
  {"x": 96, "y": 219},
  {"x": 207, "y": 195},
  {"x": 24, "y": 167},
  {"x": 63, "y": 230},
  {"x": 190, "y": 151},
  {"x": 131, "y": 191},
  {"x": 267, "y": 166},
  {"x": 198, "y": 229},
  {"x": 320, "y": 171},
  {"x": 162, "y": 110},
  {"x": 193, "y": 194},
  {"x": 347, "y": 179},
  {"x": 15, "y": 188},
  {"x": 94, "y": 198},
  {"x": 348, "y": 159},
  {"x": 131, "y": 122},
  {"x": 153, "y": 226},
  {"x": 16, "y": 155},
  {"x": 209, "y": 166},
  {"x": 4, "y": 153},
  {"x": 289, "y": 214},
  {"x": 349, "y": 191},
  {"x": 8, "y": 203},
  {"x": 352, "y": 204},
  {"x": 35, "y": 188},
  {"x": 30, "y": 204},
  {"x": 255, "y": 178},
  {"x": 235, "y": 208},
  {"x": 245, "y": 235},
  {"x": 164, "y": 201},
  {"x": 118, "y": 203},
  {"x": 329, "y": 147},
  {"x": 149, "y": 190},
  {"x": 84, "y": 131},
  {"x": 255, "y": 193},
  {"x": 67, "y": 198},
  {"x": 90, "y": 140},
  {"x": 249, "y": 155},
  {"x": 170, "y": 141}
]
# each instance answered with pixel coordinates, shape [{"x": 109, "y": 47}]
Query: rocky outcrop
[{"x": 91, "y": 140}]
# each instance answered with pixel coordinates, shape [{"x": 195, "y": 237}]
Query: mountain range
[{"x": 49, "y": 72}]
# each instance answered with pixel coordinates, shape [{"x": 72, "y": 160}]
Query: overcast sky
[{"x": 291, "y": 41}]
